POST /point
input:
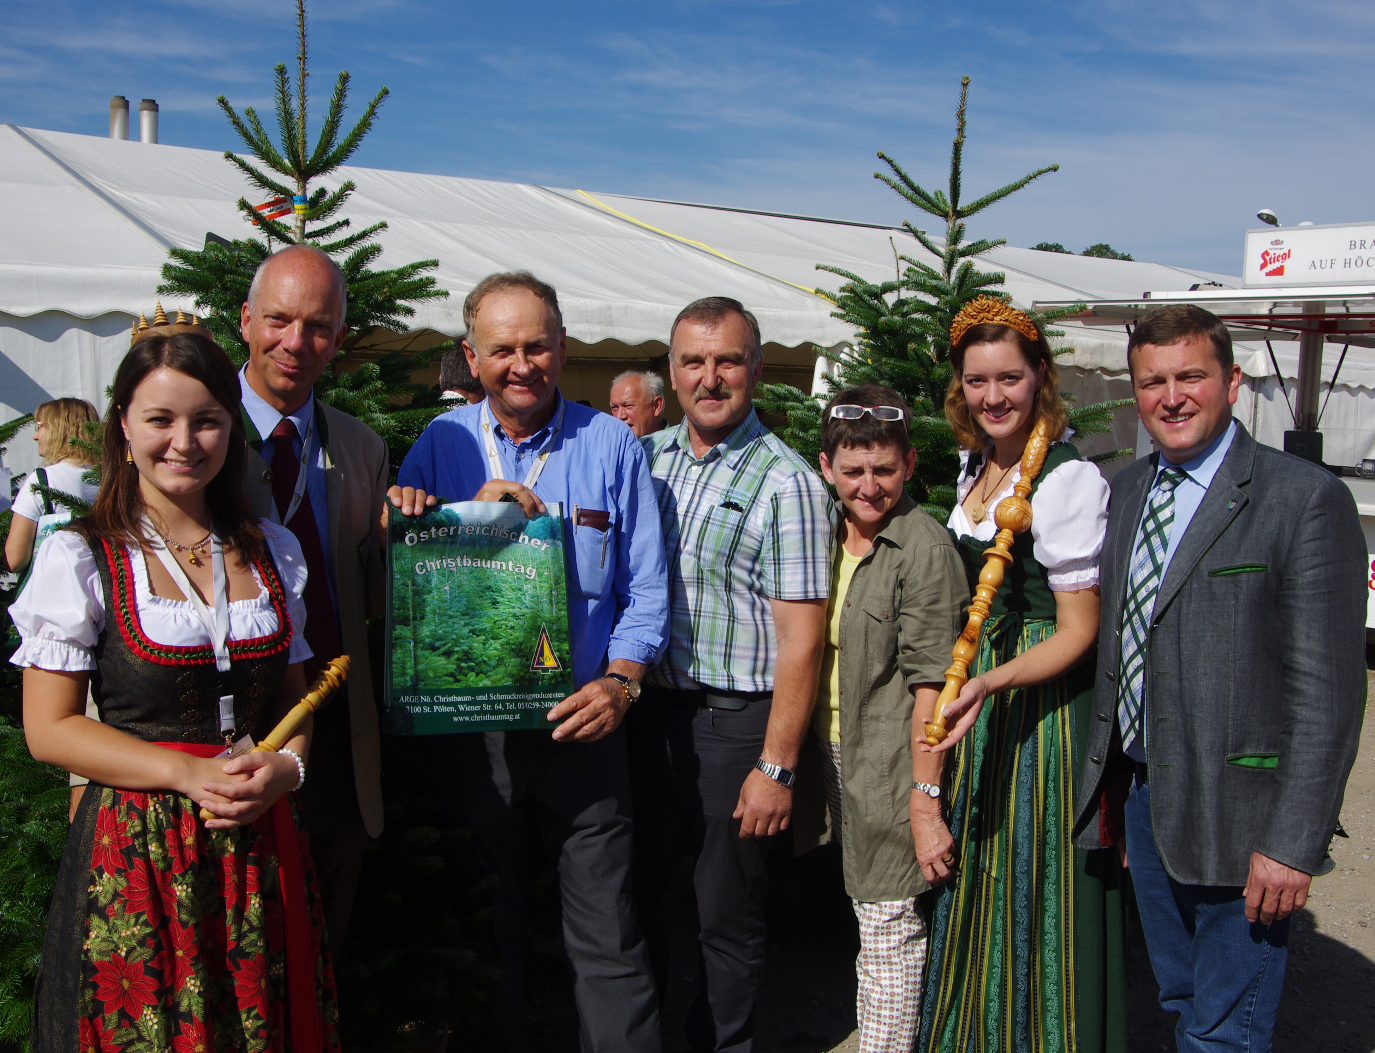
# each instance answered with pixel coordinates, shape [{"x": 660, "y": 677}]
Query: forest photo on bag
[{"x": 477, "y": 620}]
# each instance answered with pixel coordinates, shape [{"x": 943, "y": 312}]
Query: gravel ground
[{"x": 807, "y": 1001}]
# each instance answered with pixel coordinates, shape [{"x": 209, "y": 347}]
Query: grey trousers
[
  {"x": 688, "y": 764},
  {"x": 508, "y": 786}
]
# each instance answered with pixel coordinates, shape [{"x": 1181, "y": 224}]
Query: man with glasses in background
[{"x": 747, "y": 530}]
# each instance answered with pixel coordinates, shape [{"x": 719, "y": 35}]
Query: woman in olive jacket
[{"x": 897, "y": 602}]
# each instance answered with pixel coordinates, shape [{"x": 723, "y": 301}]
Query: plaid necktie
[{"x": 1146, "y": 571}]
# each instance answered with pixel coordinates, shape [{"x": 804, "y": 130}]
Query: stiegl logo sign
[{"x": 1332, "y": 254}]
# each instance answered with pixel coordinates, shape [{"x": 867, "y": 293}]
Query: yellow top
[{"x": 826, "y": 716}]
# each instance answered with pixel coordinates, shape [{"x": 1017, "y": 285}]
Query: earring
[{"x": 128, "y": 456}]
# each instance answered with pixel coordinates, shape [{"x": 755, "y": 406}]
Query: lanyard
[
  {"x": 299, "y": 493},
  {"x": 489, "y": 441},
  {"x": 216, "y": 622}
]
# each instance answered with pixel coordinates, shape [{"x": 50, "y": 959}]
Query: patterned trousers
[
  {"x": 892, "y": 956},
  {"x": 892, "y": 950}
]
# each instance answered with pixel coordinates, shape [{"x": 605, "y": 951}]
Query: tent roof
[{"x": 89, "y": 221}]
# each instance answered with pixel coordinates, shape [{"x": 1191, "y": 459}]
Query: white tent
[{"x": 88, "y": 222}]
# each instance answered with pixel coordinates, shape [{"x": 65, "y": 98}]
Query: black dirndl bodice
[{"x": 161, "y": 693}]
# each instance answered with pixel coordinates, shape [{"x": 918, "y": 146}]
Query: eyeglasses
[{"x": 847, "y": 412}]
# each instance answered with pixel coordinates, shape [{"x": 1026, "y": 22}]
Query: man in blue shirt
[{"x": 527, "y": 443}]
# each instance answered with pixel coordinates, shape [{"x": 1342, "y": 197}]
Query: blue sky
[{"x": 1172, "y": 122}]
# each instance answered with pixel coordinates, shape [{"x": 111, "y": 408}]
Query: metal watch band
[
  {"x": 779, "y": 774},
  {"x": 929, "y": 788}
]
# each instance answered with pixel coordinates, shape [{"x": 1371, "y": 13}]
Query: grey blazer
[
  {"x": 355, "y": 488},
  {"x": 1255, "y": 674}
]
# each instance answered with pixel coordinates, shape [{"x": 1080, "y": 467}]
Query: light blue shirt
[
  {"x": 265, "y": 419},
  {"x": 617, "y": 578},
  {"x": 1188, "y": 495}
]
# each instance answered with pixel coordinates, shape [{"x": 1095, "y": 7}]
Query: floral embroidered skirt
[{"x": 165, "y": 936}]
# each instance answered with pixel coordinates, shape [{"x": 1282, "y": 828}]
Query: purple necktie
[{"x": 322, "y": 631}]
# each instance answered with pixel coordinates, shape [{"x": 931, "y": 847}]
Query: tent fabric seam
[{"x": 91, "y": 188}]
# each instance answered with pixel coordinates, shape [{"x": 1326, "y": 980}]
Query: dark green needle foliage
[
  {"x": 903, "y": 328},
  {"x": 216, "y": 278},
  {"x": 33, "y": 826}
]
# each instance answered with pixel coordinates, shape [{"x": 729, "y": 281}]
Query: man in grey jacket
[{"x": 1230, "y": 685}]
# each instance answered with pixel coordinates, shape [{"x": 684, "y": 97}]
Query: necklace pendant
[
  {"x": 195, "y": 562},
  {"x": 977, "y": 511}
]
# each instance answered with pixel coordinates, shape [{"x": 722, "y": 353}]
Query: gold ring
[{"x": 947, "y": 859}]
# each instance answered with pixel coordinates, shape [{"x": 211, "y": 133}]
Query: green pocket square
[
  {"x": 1269, "y": 761},
  {"x": 1240, "y": 568}
]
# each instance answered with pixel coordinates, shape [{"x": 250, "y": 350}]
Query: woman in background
[{"x": 55, "y": 425}]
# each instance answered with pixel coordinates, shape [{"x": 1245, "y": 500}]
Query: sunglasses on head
[{"x": 848, "y": 412}]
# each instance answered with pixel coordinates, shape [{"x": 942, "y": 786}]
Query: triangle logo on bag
[{"x": 545, "y": 660}]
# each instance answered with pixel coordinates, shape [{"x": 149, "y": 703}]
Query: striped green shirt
[{"x": 748, "y": 522}]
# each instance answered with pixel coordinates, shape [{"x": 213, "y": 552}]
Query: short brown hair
[
  {"x": 1179, "y": 321},
  {"x": 66, "y": 420},
  {"x": 868, "y": 431},
  {"x": 117, "y": 514},
  {"x": 454, "y": 374},
  {"x": 710, "y": 310},
  {"x": 1049, "y": 404},
  {"x": 500, "y": 282}
]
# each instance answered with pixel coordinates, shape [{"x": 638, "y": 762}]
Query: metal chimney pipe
[
  {"x": 148, "y": 121},
  {"x": 119, "y": 117}
]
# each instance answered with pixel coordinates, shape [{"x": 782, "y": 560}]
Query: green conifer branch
[
  {"x": 908, "y": 188},
  {"x": 1002, "y": 192},
  {"x": 957, "y": 149},
  {"x": 350, "y": 143},
  {"x": 257, "y": 178},
  {"x": 286, "y": 122}
]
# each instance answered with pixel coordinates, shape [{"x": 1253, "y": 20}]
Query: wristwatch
[
  {"x": 779, "y": 774},
  {"x": 631, "y": 687},
  {"x": 929, "y": 788}
]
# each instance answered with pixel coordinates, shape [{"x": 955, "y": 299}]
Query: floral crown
[{"x": 989, "y": 310}]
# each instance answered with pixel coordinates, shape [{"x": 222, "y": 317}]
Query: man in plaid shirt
[{"x": 748, "y": 529}]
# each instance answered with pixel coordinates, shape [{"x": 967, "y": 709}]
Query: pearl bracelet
[{"x": 300, "y": 767}]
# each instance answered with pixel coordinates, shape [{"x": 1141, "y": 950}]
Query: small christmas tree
[
  {"x": 216, "y": 278},
  {"x": 903, "y": 329}
]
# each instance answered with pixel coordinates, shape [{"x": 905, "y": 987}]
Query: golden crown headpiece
[
  {"x": 989, "y": 310},
  {"x": 161, "y": 326}
]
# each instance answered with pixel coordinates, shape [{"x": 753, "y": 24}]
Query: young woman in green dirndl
[{"x": 1027, "y": 936}]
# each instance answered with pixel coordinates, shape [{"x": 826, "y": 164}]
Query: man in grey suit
[
  {"x": 1230, "y": 684},
  {"x": 324, "y": 474}
]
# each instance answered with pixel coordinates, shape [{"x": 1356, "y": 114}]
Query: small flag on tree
[{"x": 274, "y": 209}]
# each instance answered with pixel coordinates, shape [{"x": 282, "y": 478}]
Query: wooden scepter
[
  {"x": 326, "y": 682},
  {"x": 1013, "y": 517}
]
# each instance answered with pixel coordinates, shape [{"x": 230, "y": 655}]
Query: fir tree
[
  {"x": 903, "y": 328},
  {"x": 217, "y": 277}
]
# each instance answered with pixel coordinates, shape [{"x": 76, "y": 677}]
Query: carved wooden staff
[
  {"x": 327, "y": 681},
  {"x": 1013, "y": 516}
]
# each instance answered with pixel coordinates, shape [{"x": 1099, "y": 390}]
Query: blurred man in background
[{"x": 638, "y": 399}]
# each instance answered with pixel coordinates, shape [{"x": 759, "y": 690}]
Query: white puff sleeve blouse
[
  {"x": 1069, "y": 519},
  {"x": 61, "y": 612}
]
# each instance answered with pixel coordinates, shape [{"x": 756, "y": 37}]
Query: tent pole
[{"x": 1310, "y": 374}]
